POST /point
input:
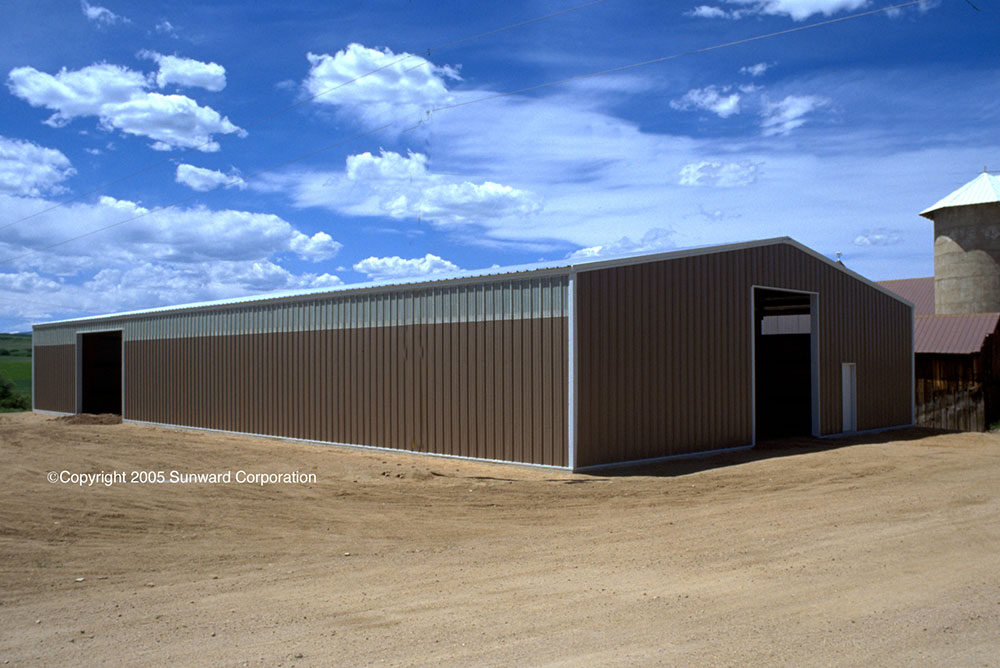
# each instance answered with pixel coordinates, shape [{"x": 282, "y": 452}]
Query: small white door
[{"x": 849, "y": 389}]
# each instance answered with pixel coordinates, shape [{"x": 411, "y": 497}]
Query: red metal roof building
[
  {"x": 957, "y": 334},
  {"x": 962, "y": 334},
  {"x": 956, "y": 346},
  {"x": 920, "y": 291}
]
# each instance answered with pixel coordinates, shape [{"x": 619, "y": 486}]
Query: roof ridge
[{"x": 984, "y": 189}]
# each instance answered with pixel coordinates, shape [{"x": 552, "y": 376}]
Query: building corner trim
[{"x": 571, "y": 376}]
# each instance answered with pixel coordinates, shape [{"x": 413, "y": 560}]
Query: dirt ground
[{"x": 882, "y": 550}]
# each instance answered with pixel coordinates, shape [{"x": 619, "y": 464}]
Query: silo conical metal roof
[{"x": 984, "y": 189}]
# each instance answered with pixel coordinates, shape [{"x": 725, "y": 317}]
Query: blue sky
[{"x": 193, "y": 118}]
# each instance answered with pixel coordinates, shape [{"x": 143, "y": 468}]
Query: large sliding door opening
[
  {"x": 783, "y": 363},
  {"x": 101, "y": 372}
]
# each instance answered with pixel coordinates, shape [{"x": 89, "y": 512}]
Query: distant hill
[{"x": 15, "y": 345}]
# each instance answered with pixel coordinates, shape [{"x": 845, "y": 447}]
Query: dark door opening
[
  {"x": 101, "y": 373},
  {"x": 782, "y": 363}
]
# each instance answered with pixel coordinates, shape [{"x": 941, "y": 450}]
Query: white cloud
[
  {"x": 798, "y": 10},
  {"x": 29, "y": 169},
  {"x": 26, "y": 282},
  {"x": 721, "y": 174},
  {"x": 710, "y": 12},
  {"x": 172, "y": 256},
  {"x": 713, "y": 215},
  {"x": 187, "y": 72},
  {"x": 780, "y": 118},
  {"x": 81, "y": 92},
  {"x": 174, "y": 234},
  {"x": 602, "y": 177},
  {"x": 755, "y": 70},
  {"x": 394, "y": 86},
  {"x": 148, "y": 284},
  {"x": 171, "y": 120},
  {"x": 101, "y": 15},
  {"x": 118, "y": 97},
  {"x": 319, "y": 246},
  {"x": 203, "y": 180},
  {"x": 378, "y": 268},
  {"x": 879, "y": 237},
  {"x": 387, "y": 165},
  {"x": 710, "y": 98},
  {"x": 395, "y": 186},
  {"x": 654, "y": 240},
  {"x": 165, "y": 27},
  {"x": 467, "y": 202}
]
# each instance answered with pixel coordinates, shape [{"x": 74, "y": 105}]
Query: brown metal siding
[
  {"x": 55, "y": 378},
  {"x": 665, "y": 351},
  {"x": 449, "y": 388}
]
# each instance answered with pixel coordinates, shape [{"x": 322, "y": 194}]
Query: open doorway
[
  {"x": 100, "y": 372},
  {"x": 783, "y": 363}
]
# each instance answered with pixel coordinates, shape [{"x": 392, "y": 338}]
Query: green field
[
  {"x": 17, "y": 369},
  {"x": 15, "y": 360},
  {"x": 18, "y": 345}
]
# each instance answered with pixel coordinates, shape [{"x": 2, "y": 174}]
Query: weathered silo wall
[{"x": 967, "y": 259}]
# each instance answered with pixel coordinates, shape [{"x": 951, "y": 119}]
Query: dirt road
[{"x": 872, "y": 552}]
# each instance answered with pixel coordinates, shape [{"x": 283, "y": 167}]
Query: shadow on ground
[{"x": 784, "y": 447}]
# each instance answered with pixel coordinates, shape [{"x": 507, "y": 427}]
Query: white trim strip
[
  {"x": 571, "y": 379},
  {"x": 33, "y": 367},
  {"x": 913, "y": 366}
]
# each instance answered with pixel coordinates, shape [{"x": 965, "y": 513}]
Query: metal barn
[{"x": 567, "y": 365}]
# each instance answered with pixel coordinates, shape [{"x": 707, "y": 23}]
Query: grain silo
[
  {"x": 957, "y": 311},
  {"x": 566, "y": 364},
  {"x": 967, "y": 248}
]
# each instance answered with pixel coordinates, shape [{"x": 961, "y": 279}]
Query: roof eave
[{"x": 539, "y": 270}]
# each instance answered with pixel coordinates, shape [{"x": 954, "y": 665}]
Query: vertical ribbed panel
[
  {"x": 475, "y": 370},
  {"x": 665, "y": 351},
  {"x": 477, "y": 302},
  {"x": 493, "y": 389},
  {"x": 54, "y": 368}
]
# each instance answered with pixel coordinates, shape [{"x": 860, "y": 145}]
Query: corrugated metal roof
[
  {"x": 920, "y": 291},
  {"x": 953, "y": 334},
  {"x": 984, "y": 189},
  {"x": 559, "y": 267}
]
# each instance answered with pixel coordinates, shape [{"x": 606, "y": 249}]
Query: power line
[
  {"x": 306, "y": 100},
  {"x": 466, "y": 103},
  {"x": 675, "y": 56}
]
